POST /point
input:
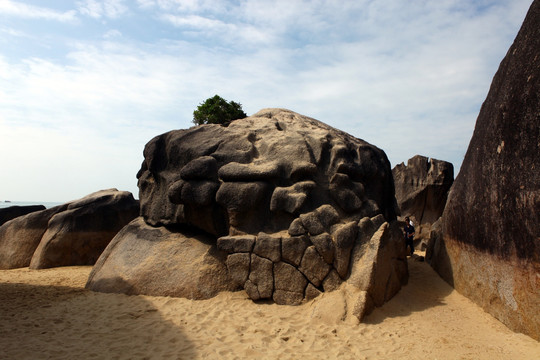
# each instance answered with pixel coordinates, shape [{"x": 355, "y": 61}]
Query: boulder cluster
[
  {"x": 422, "y": 188},
  {"x": 75, "y": 233}
]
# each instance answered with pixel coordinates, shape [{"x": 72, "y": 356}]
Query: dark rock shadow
[
  {"x": 425, "y": 289},
  {"x": 64, "y": 322}
]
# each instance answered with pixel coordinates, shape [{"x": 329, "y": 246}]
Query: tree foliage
[{"x": 216, "y": 110}]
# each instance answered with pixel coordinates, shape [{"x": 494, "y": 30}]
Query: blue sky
[{"x": 84, "y": 85}]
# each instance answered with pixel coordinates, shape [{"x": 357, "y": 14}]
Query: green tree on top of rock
[{"x": 216, "y": 110}]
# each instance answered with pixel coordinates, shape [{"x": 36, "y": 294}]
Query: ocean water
[{"x": 47, "y": 204}]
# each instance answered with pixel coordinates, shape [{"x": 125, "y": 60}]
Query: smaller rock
[
  {"x": 287, "y": 277},
  {"x": 313, "y": 266},
  {"x": 311, "y": 223},
  {"x": 320, "y": 220},
  {"x": 261, "y": 276},
  {"x": 234, "y": 171},
  {"x": 327, "y": 215},
  {"x": 202, "y": 168},
  {"x": 236, "y": 244},
  {"x": 291, "y": 199},
  {"x": 312, "y": 292},
  {"x": 297, "y": 228},
  {"x": 345, "y": 237},
  {"x": 292, "y": 249},
  {"x": 268, "y": 247},
  {"x": 342, "y": 190},
  {"x": 238, "y": 267},
  {"x": 325, "y": 246}
]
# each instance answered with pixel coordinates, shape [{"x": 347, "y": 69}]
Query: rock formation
[
  {"x": 288, "y": 201},
  {"x": 71, "y": 234},
  {"x": 421, "y": 191},
  {"x": 488, "y": 245},
  {"x": 12, "y": 212},
  {"x": 20, "y": 237}
]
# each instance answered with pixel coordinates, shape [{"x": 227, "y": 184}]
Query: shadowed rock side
[
  {"x": 71, "y": 234},
  {"x": 282, "y": 196},
  {"x": 421, "y": 191},
  {"x": 488, "y": 245},
  {"x": 12, "y": 212}
]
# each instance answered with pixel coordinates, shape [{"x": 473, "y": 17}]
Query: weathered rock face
[
  {"x": 78, "y": 235},
  {"x": 421, "y": 191},
  {"x": 282, "y": 195},
  {"x": 261, "y": 173},
  {"x": 71, "y": 234},
  {"x": 143, "y": 259},
  {"x": 489, "y": 244},
  {"x": 12, "y": 212}
]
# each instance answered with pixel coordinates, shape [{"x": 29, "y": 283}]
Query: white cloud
[
  {"x": 103, "y": 8},
  {"x": 12, "y": 32},
  {"x": 186, "y": 5},
  {"x": 18, "y": 9},
  {"x": 112, "y": 34},
  {"x": 194, "y": 21},
  {"x": 230, "y": 34}
]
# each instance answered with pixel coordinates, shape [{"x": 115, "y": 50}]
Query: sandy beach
[{"x": 47, "y": 314}]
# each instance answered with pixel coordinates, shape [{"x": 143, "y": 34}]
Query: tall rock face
[
  {"x": 489, "y": 243},
  {"x": 421, "y": 191},
  {"x": 287, "y": 200}
]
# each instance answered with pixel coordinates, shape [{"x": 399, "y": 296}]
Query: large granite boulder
[
  {"x": 20, "y": 237},
  {"x": 79, "y": 234},
  {"x": 488, "y": 246},
  {"x": 74, "y": 233},
  {"x": 282, "y": 196},
  {"x": 260, "y": 173},
  {"x": 421, "y": 191},
  {"x": 12, "y": 212}
]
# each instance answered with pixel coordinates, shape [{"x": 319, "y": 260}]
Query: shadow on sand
[
  {"x": 60, "y": 322},
  {"x": 425, "y": 289}
]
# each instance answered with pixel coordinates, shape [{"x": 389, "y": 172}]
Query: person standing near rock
[{"x": 409, "y": 234}]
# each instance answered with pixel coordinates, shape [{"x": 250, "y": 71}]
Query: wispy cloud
[
  {"x": 103, "y": 8},
  {"x": 407, "y": 77},
  {"x": 18, "y": 9}
]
